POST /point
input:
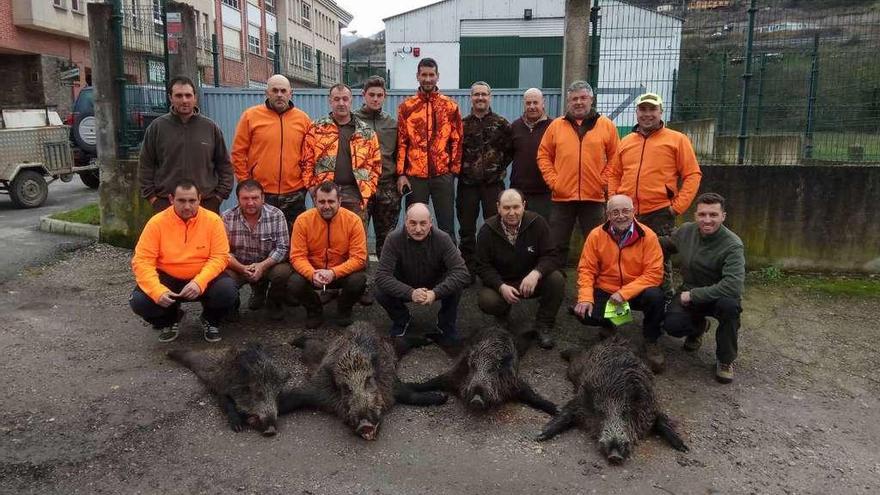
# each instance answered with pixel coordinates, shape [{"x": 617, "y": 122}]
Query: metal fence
[{"x": 755, "y": 81}]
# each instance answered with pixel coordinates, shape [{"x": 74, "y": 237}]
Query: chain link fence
[{"x": 753, "y": 82}]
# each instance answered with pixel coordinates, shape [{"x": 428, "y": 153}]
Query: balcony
[{"x": 62, "y": 17}]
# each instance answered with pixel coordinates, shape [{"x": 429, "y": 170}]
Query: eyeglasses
[{"x": 620, "y": 213}]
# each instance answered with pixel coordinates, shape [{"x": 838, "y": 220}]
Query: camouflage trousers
[
  {"x": 291, "y": 204},
  {"x": 384, "y": 209},
  {"x": 662, "y": 222}
]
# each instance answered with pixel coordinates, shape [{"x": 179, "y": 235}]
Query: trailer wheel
[
  {"x": 90, "y": 178},
  {"x": 28, "y": 189}
]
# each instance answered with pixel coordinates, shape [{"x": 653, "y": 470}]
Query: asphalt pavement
[{"x": 22, "y": 244}]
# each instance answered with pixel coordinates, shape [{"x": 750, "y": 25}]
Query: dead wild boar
[
  {"x": 354, "y": 377},
  {"x": 616, "y": 388},
  {"x": 485, "y": 373},
  {"x": 247, "y": 382}
]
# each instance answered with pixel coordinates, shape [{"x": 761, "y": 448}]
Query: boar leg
[
  {"x": 662, "y": 426},
  {"x": 561, "y": 422},
  {"x": 439, "y": 382},
  {"x": 531, "y": 398},
  {"x": 232, "y": 415},
  {"x": 404, "y": 394}
]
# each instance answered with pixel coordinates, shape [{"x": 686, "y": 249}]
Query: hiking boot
[
  {"x": 168, "y": 334},
  {"x": 257, "y": 299},
  {"x": 398, "y": 329},
  {"x": 723, "y": 372},
  {"x": 275, "y": 310},
  {"x": 314, "y": 318},
  {"x": 343, "y": 317},
  {"x": 212, "y": 333},
  {"x": 444, "y": 338},
  {"x": 545, "y": 341},
  {"x": 693, "y": 342},
  {"x": 654, "y": 356}
]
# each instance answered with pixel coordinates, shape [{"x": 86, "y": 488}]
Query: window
[
  {"x": 131, "y": 16},
  {"x": 294, "y": 10},
  {"x": 254, "y": 40},
  {"x": 76, "y": 5},
  {"x": 158, "y": 25},
  {"x": 270, "y": 6},
  {"x": 270, "y": 46},
  {"x": 61, "y": 4},
  {"x": 307, "y": 56},
  {"x": 233, "y": 3},
  {"x": 231, "y": 43},
  {"x": 307, "y": 16}
]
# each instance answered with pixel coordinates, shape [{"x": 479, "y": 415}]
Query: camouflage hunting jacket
[{"x": 486, "y": 149}]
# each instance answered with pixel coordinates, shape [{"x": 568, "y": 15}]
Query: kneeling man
[
  {"x": 180, "y": 257},
  {"x": 328, "y": 250},
  {"x": 713, "y": 270},
  {"x": 622, "y": 262},
  {"x": 516, "y": 259}
]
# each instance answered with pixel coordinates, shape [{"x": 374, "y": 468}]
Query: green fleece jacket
[{"x": 712, "y": 266}]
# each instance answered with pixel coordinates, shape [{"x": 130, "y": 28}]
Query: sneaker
[
  {"x": 314, "y": 318},
  {"x": 654, "y": 356},
  {"x": 724, "y": 372},
  {"x": 212, "y": 333},
  {"x": 257, "y": 299},
  {"x": 275, "y": 310},
  {"x": 168, "y": 334}
]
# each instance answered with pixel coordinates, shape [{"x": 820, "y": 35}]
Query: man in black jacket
[
  {"x": 516, "y": 260},
  {"x": 421, "y": 264},
  {"x": 526, "y": 133}
]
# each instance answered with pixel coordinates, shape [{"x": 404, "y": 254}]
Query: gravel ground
[{"x": 90, "y": 404}]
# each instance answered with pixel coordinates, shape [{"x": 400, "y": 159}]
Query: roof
[{"x": 417, "y": 9}]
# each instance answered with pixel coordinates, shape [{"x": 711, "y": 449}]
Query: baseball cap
[{"x": 652, "y": 98}]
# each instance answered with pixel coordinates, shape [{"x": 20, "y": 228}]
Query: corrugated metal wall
[{"x": 496, "y": 59}]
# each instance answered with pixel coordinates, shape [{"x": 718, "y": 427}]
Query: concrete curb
[{"x": 56, "y": 226}]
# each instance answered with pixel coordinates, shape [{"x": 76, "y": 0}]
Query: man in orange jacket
[
  {"x": 180, "y": 257},
  {"x": 328, "y": 250},
  {"x": 649, "y": 165},
  {"x": 429, "y": 131},
  {"x": 622, "y": 262},
  {"x": 572, "y": 156},
  {"x": 267, "y": 148}
]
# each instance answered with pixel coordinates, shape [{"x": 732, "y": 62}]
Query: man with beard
[
  {"x": 526, "y": 133},
  {"x": 572, "y": 156},
  {"x": 328, "y": 250},
  {"x": 259, "y": 244},
  {"x": 267, "y": 147}
]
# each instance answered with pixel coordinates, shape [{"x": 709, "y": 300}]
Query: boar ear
[{"x": 507, "y": 360}]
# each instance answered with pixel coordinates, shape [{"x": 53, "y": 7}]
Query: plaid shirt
[{"x": 269, "y": 239}]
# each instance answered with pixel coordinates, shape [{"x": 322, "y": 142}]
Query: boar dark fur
[
  {"x": 354, "y": 376},
  {"x": 616, "y": 388},
  {"x": 485, "y": 373},
  {"x": 247, "y": 382}
]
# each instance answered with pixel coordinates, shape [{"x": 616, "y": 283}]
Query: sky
[{"x": 368, "y": 15}]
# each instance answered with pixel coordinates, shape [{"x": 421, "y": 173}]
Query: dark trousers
[
  {"x": 384, "y": 209},
  {"x": 540, "y": 204},
  {"x": 468, "y": 200},
  {"x": 218, "y": 298},
  {"x": 650, "y": 302},
  {"x": 684, "y": 321},
  {"x": 291, "y": 204},
  {"x": 400, "y": 315},
  {"x": 212, "y": 203},
  {"x": 440, "y": 190},
  {"x": 549, "y": 291},
  {"x": 588, "y": 214},
  {"x": 274, "y": 280},
  {"x": 352, "y": 287},
  {"x": 662, "y": 222}
]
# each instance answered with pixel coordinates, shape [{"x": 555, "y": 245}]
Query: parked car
[{"x": 145, "y": 104}]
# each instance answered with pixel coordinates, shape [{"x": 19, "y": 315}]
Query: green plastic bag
[{"x": 618, "y": 314}]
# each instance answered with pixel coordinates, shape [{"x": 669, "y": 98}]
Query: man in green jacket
[{"x": 713, "y": 271}]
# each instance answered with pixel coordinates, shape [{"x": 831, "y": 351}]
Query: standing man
[
  {"x": 649, "y": 165},
  {"x": 259, "y": 245},
  {"x": 526, "y": 133},
  {"x": 328, "y": 250},
  {"x": 180, "y": 256},
  {"x": 517, "y": 260},
  {"x": 429, "y": 146},
  {"x": 421, "y": 264},
  {"x": 484, "y": 160},
  {"x": 384, "y": 206},
  {"x": 341, "y": 149},
  {"x": 713, "y": 271},
  {"x": 267, "y": 147},
  {"x": 573, "y": 153},
  {"x": 183, "y": 144},
  {"x": 622, "y": 262}
]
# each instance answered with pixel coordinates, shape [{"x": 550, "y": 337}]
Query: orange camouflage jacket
[
  {"x": 319, "y": 155},
  {"x": 428, "y": 136}
]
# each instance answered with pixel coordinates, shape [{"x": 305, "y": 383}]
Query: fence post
[
  {"x": 593, "y": 65},
  {"x": 388, "y": 78},
  {"x": 347, "y": 66},
  {"x": 119, "y": 78},
  {"x": 723, "y": 96},
  {"x": 215, "y": 55},
  {"x": 747, "y": 79},
  {"x": 672, "y": 98},
  {"x": 811, "y": 101},
  {"x": 760, "y": 108},
  {"x": 276, "y": 64},
  {"x": 318, "y": 66}
]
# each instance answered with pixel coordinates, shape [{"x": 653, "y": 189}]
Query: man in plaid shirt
[{"x": 259, "y": 244}]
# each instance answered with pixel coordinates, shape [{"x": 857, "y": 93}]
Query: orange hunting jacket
[
  {"x": 630, "y": 269},
  {"x": 428, "y": 136},
  {"x": 319, "y": 155},
  {"x": 339, "y": 245},
  {"x": 195, "y": 250},
  {"x": 647, "y": 169}
]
